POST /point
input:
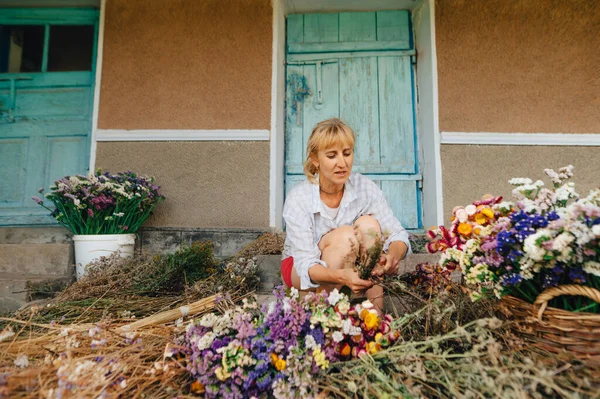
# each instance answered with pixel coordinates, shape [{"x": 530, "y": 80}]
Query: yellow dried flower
[
  {"x": 373, "y": 347},
  {"x": 320, "y": 358},
  {"x": 222, "y": 374},
  {"x": 280, "y": 365},
  {"x": 371, "y": 321}
]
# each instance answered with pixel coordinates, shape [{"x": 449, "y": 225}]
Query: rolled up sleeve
[{"x": 300, "y": 243}]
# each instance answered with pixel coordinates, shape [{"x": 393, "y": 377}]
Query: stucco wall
[
  {"x": 191, "y": 64},
  {"x": 519, "y": 65},
  {"x": 207, "y": 184},
  {"x": 186, "y": 64},
  {"x": 470, "y": 171}
]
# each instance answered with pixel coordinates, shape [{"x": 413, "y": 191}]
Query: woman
[{"x": 325, "y": 213}]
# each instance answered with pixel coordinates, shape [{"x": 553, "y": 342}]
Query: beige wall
[
  {"x": 207, "y": 184},
  {"x": 186, "y": 64},
  {"x": 191, "y": 64},
  {"x": 519, "y": 65},
  {"x": 470, "y": 171}
]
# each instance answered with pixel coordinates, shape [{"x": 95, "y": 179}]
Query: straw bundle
[{"x": 201, "y": 306}]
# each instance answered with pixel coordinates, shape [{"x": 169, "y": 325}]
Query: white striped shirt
[{"x": 307, "y": 220}]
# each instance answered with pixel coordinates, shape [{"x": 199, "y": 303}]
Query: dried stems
[
  {"x": 105, "y": 359},
  {"x": 363, "y": 259}
]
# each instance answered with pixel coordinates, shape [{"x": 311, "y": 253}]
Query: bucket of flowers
[
  {"x": 540, "y": 254},
  {"x": 104, "y": 211}
]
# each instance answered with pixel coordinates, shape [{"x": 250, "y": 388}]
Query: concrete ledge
[
  {"x": 34, "y": 235},
  {"x": 227, "y": 242},
  {"x": 408, "y": 265}
]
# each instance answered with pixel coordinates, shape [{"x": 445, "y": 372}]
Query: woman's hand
[
  {"x": 349, "y": 278},
  {"x": 390, "y": 262}
]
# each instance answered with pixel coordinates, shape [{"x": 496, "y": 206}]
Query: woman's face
[{"x": 335, "y": 165}]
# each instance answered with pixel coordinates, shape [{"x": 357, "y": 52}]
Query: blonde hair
[{"x": 326, "y": 134}]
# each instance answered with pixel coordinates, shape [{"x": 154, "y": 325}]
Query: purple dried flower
[
  {"x": 511, "y": 279},
  {"x": 577, "y": 275}
]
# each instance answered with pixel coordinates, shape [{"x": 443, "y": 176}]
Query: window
[
  {"x": 21, "y": 48},
  {"x": 70, "y": 48}
]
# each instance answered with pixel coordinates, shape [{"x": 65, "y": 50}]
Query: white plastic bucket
[{"x": 91, "y": 247}]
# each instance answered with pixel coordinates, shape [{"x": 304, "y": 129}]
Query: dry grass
[
  {"x": 110, "y": 359},
  {"x": 267, "y": 244}
]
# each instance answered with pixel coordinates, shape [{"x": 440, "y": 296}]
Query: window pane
[
  {"x": 70, "y": 48},
  {"x": 21, "y": 48}
]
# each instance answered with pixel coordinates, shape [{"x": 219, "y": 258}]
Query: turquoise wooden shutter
[
  {"x": 358, "y": 67},
  {"x": 46, "y": 99}
]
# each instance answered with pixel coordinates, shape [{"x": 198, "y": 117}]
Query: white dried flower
[
  {"x": 334, "y": 297},
  {"x": 6, "y": 333},
  {"x": 470, "y": 209},
  {"x": 208, "y": 320},
  {"x": 337, "y": 336},
  {"x": 294, "y": 294},
  {"x": 21, "y": 361},
  {"x": 367, "y": 304},
  {"x": 461, "y": 215},
  {"x": 592, "y": 267},
  {"x": 310, "y": 342},
  {"x": 518, "y": 181}
]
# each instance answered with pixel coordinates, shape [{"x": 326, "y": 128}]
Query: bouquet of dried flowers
[
  {"x": 249, "y": 352},
  {"x": 102, "y": 203},
  {"x": 547, "y": 237}
]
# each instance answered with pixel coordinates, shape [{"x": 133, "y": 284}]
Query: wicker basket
[{"x": 558, "y": 330}]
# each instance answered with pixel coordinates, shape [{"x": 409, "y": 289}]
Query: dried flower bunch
[
  {"x": 545, "y": 238},
  {"x": 429, "y": 279},
  {"x": 364, "y": 260},
  {"x": 102, "y": 203},
  {"x": 248, "y": 352}
]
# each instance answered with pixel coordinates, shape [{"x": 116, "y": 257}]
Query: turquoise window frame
[{"x": 49, "y": 16}]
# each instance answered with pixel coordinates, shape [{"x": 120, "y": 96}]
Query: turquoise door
[
  {"x": 357, "y": 67},
  {"x": 47, "y": 69}
]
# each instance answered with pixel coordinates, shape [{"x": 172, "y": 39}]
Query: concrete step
[
  {"x": 36, "y": 259},
  {"x": 24, "y": 264}
]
